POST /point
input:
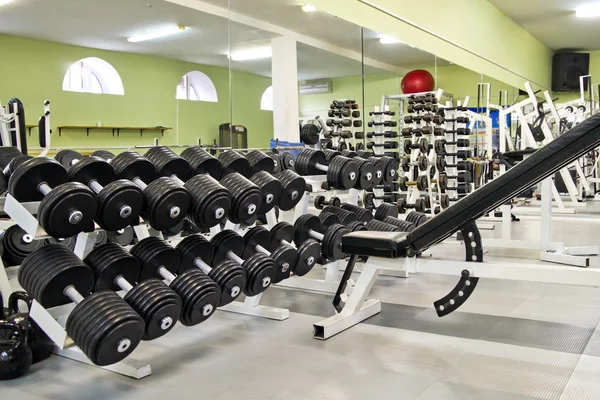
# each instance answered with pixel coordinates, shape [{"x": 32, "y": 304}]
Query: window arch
[
  {"x": 266, "y": 102},
  {"x": 196, "y": 86},
  {"x": 93, "y": 75}
]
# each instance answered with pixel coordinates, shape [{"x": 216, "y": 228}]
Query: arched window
[
  {"x": 93, "y": 75},
  {"x": 266, "y": 102},
  {"x": 196, "y": 86}
]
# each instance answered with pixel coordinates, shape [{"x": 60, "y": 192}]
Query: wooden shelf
[
  {"x": 114, "y": 129},
  {"x": 30, "y": 127}
]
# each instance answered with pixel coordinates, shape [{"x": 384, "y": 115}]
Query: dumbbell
[
  {"x": 385, "y": 210},
  {"x": 260, "y": 269},
  {"x": 17, "y": 244},
  {"x": 157, "y": 304},
  {"x": 342, "y": 122},
  {"x": 391, "y": 113},
  {"x": 346, "y": 134},
  {"x": 366, "y": 174},
  {"x": 349, "y": 153},
  {"x": 166, "y": 203},
  {"x": 462, "y": 154},
  {"x": 342, "y": 172},
  {"x": 307, "y": 254},
  {"x": 258, "y": 239},
  {"x": 424, "y": 130},
  {"x": 440, "y": 145},
  {"x": 417, "y": 218},
  {"x": 463, "y": 186},
  {"x": 246, "y": 197},
  {"x": 67, "y": 158},
  {"x": 196, "y": 251},
  {"x": 458, "y": 131},
  {"x": 423, "y": 107},
  {"x": 202, "y": 162},
  {"x": 391, "y": 124},
  {"x": 386, "y": 134},
  {"x": 422, "y": 163},
  {"x": 435, "y": 118},
  {"x": 124, "y": 237},
  {"x": 359, "y": 135},
  {"x": 357, "y": 123},
  {"x": 234, "y": 161},
  {"x": 345, "y": 217},
  {"x": 259, "y": 161},
  {"x": 271, "y": 189},
  {"x": 441, "y": 164},
  {"x": 119, "y": 201},
  {"x": 330, "y": 154},
  {"x": 344, "y": 112},
  {"x": 286, "y": 160},
  {"x": 320, "y": 202},
  {"x": 423, "y": 146},
  {"x": 294, "y": 187},
  {"x": 423, "y": 99},
  {"x": 459, "y": 120},
  {"x": 420, "y": 205},
  {"x": 389, "y": 168},
  {"x": 421, "y": 183},
  {"x": 385, "y": 145},
  {"x": 342, "y": 146},
  {"x": 362, "y": 215},
  {"x": 379, "y": 226},
  {"x": 403, "y": 225},
  {"x": 327, "y": 219},
  {"x": 386, "y": 198},
  {"x": 66, "y": 208},
  {"x": 199, "y": 294},
  {"x": 308, "y": 226},
  {"x": 102, "y": 324}
]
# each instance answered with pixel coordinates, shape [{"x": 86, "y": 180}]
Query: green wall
[{"x": 33, "y": 71}]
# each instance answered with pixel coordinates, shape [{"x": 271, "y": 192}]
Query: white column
[{"x": 286, "y": 110}]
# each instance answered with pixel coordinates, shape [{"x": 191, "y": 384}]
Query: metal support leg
[{"x": 251, "y": 306}]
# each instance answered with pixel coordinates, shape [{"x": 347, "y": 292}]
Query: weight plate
[
  {"x": 92, "y": 169},
  {"x": 18, "y": 244},
  {"x": 332, "y": 243},
  {"x": 124, "y": 237},
  {"x": 109, "y": 261},
  {"x": 131, "y": 165},
  {"x": 362, "y": 215},
  {"x": 246, "y": 197},
  {"x": 192, "y": 248},
  {"x": 285, "y": 258},
  {"x": 276, "y": 163},
  {"x": 307, "y": 160},
  {"x": 68, "y": 158},
  {"x": 294, "y": 187},
  {"x": 24, "y": 182},
  {"x": 256, "y": 236},
  {"x": 203, "y": 162},
  {"x": 281, "y": 231},
  {"x": 366, "y": 175},
  {"x": 224, "y": 242},
  {"x": 260, "y": 272},
  {"x": 168, "y": 163},
  {"x": 154, "y": 253},
  {"x": 104, "y": 154},
  {"x": 271, "y": 189},
  {"x": 233, "y": 161},
  {"x": 166, "y": 203},
  {"x": 259, "y": 161},
  {"x": 211, "y": 202},
  {"x": 303, "y": 225},
  {"x": 286, "y": 160},
  {"x": 199, "y": 294},
  {"x": 119, "y": 205},
  {"x": 307, "y": 255},
  {"x": 57, "y": 210},
  {"x": 231, "y": 277}
]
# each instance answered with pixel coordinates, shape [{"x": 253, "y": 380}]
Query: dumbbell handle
[
  {"x": 261, "y": 249},
  {"x": 234, "y": 257},
  {"x": 322, "y": 167},
  {"x": 123, "y": 283},
  {"x": 285, "y": 242},
  {"x": 198, "y": 262},
  {"x": 74, "y": 217},
  {"x": 167, "y": 276},
  {"x": 142, "y": 185},
  {"x": 73, "y": 294},
  {"x": 317, "y": 235}
]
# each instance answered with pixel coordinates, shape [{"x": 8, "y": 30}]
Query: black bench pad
[{"x": 376, "y": 244}]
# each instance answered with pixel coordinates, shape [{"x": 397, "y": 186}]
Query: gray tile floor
[{"x": 511, "y": 340}]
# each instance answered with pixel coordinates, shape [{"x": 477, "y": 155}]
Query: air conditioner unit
[{"x": 315, "y": 87}]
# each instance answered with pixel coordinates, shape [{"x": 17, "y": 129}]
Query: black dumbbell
[
  {"x": 423, "y": 146},
  {"x": 385, "y": 210},
  {"x": 258, "y": 239},
  {"x": 321, "y": 202},
  {"x": 342, "y": 172},
  {"x": 260, "y": 269},
  {"x": 386, "y": 198},
  {"x": 423, "y": 99},
  {"x": 327, "y": 219},
  {"x": 102, "y": 324},
  {"x": 366, "y": 174},
  {"x": 421, "y": 183},
  {"x": 343, "y": 112},
  {"x": 124, "y": 236},
  {"x": 462, "y": 154},
  {"x": 67, "y": 158},
  {"x": 307, "y": 253},
  {"x": 166, "y": 203},
  {"x": 346, "y": 134},
  {"x": 199, "y": 294},
  {"x": 271, "y": 189},
  {"x": 120, "y": 202},
  {"x": 422, "y": 163},
  {"x": 440, "y": 145},
  {"x": 342, "y": 122},
  {"x": 423, "y": 107},
  {"x": 380, "y": 226},
  {"x": 459, "y": 120},
  {"x": 386, "y": 134},
  {"x": 17, "y": 244},
  {"x": 385, "y": 145},
  {"x": 66, "y": 208},
  {"x": 308, "y": 226},
  {"x": 391, "y": 113},
  {"x": 403, "y": 225},
  {"x": 391, "y": 124},
  {"x": 157, "y": 304},
  {"x": 463, "y": 187},
  {"x": 260, "y": 162},
  {"x": 424, "y": 130},
  {"x": 276, "y": 162},
  {"x": 202, "y": 162},
  {"x": 388, "y": 167},
  {"x": 362, "y": 215},
  {"x": 441, "y": 164},
  {"x": 286, "y": 160},
  {"x": 458, "y": 131},
  {"x": 330, "y": 154},
  {"x": 234, "y": 161},
  {"x": 345, "y": 217},
  {"x": 294, "y": 187},
  {"x": 342, "y": 146},
  {"x": 246, "y": 197},
  {"x": 435, "y": 118},
  {"x": 197, "y": 252},
  {"x": 360, "y": 136},
  {"x": 419, "y": 206},
  {"x": 357, "y": 123}
]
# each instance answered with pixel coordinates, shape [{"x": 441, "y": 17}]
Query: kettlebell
[
  {"x": 15, "y": 355},
  {"x": 39, "y": 343}
]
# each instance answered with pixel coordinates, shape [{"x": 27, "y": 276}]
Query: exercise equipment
[
  {"x": 116, "y": 269},
  {"x": 422, "y": 183},
  {"x": 362, "y": 215},
  {"x": 199, "y": 294},
  {"x": 321, "y": 202},
  {"x": 102, "y": 324},
  {"x": 344, "y": 216},
  {"x": 260, "y": 269},
  {"x": 282, "y": 234},
  {"x": 308, "y": 226},
  {"x": 271, "y": 189},
  {"x": 66, "y": 208},
  {"x": 197, "y": 252},
  {"x": 17, "y": 245},
  {"x": 246, "y": 197},
  {"x": 202, "y": 162},
  {"x": 257, "y": 240},
  {"x": 16, "y": 355},
  {"x": 342, "y": 172},
  {"x": 422, "y": 146},
  {"x": 234, "y": 161},
  {"x": 294, "y": 187},
  {"x": 309, "y": 134},
  {"x": 422, "y": 163},
  {"x": 417, "y": 81}
]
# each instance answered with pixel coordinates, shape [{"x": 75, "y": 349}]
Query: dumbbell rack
[
  {"x": 452, "y": 126},
  {"x": 379, "y": 117},
  {"x": 337, "y": 128}
]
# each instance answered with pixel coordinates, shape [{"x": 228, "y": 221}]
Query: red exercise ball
[{"x": 418, "y": 81}]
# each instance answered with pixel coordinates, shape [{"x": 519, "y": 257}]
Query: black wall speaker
[{"x": 566, "y": 70}]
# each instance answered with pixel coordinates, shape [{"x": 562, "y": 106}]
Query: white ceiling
[
  {"x": 554, "y": 23},
  {"x": 106, "y": 24}
]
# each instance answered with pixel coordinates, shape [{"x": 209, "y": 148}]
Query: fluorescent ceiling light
[
  {"x": 3, "y": 2},
  {"x": 588, "y": 11},
  {"x": 252, "y": 54},
  {"x": 309, "y": 8},
  {"x": 384, "y": 39},
  {"x": 156, "y": 34}
]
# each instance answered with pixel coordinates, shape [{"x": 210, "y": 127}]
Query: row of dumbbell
[{"x": 89, "y": 191}]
